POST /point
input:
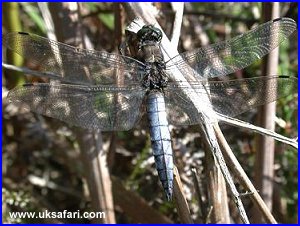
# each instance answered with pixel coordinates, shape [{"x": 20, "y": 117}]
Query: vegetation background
[{"x": 42, "y": 165}]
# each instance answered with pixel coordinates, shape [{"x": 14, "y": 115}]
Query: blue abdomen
[{"x": 161, "y": 140}]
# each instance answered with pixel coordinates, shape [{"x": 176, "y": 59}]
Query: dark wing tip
[
  {"x": 28, "y": 84},
  {"x": 277, "y": 19},
  {"x": 23, "y": 33},
  {"x": 284, "y": 76},
  {"x": 288, "y": 77}
]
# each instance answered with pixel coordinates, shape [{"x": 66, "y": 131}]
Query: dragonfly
[{"x": 111, "y": 92}]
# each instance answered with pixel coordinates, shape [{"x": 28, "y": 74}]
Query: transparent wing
[
  {"x": 94, "y": 107},
  {"x": 229, "y": 98},
  {"x": 227, "y": 57},
  {"x": 72, "y": 64}
]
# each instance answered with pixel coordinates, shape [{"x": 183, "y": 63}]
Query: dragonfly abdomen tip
[{"x": 169, "y": 194}]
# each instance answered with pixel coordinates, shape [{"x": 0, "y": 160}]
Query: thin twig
[
  {"x": 257, "y": 129},
  {"x": 31, "y": 72},
  {"x": 242, "y": 176},
  {"x": 43, "y": 6},
  {"x": 265, "y": 145},
  {"x": 208, "y": 215},
  {"x": 181, "y": 203},
  {"x": 208, "y": 128},
  {"x": 197, "y": 185},
  {"x": 178, "y": 9}
]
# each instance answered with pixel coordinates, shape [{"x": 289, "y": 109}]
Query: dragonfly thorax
[
  {"x": 151, "y": 55},
  {"x": 155, "y": 76}
]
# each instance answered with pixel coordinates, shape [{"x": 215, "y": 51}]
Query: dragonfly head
[{"x": 149, "y": 33}]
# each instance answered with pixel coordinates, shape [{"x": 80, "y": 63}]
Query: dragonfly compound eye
[{"x": 149, "y": 33}]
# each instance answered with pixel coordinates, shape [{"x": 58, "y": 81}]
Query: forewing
[
  {"x": 72, "y": 64},
  {"x": 93, "y": 107},
  {"x": 179, "y": 107},
  {"x": 227, "y": 57},
  {"x": 230, "y": 98}
]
